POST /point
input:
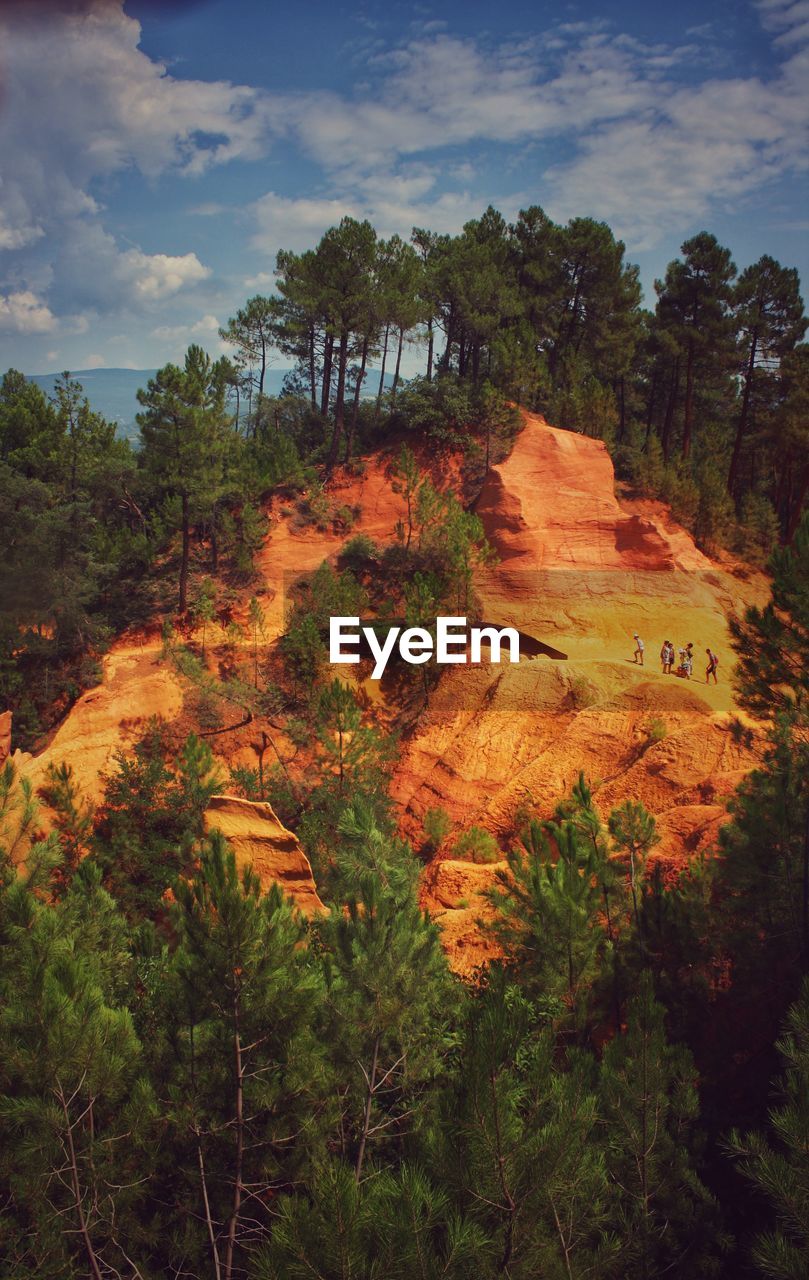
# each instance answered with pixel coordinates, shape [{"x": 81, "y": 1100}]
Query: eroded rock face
[
  {"x": 454, "y": 895},
  {"x": 260, "y": 839},
  {"x": 581, "y": 572},
  {"x": 5, "y": 736},
  {"x": 136, "y": 687}
]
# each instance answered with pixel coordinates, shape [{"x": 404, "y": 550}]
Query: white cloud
[
  {"x": 24, "y": 312},
  {"x": 648, "y": 145},
  {"x": 94, "y": 361},
  {"x": 175, "y": 338},
  {"x": 205, "y": 327},
  {"x": 155, "y": 276},
  {"x": 646, "y": 152},
  {"x": 284, "y": 222},
  {"x": 81, "y": 101}
]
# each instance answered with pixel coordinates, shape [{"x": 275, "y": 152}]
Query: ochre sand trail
[{"x": 578, "y": 569}]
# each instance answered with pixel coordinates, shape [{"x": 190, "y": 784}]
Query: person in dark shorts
[
  {"x": 713, "y": 663},
  {"x": 667, "y": 657},
  {"x": 639, "y": 647}
]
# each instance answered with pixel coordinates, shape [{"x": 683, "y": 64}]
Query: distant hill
[{"x": 113, "y": 392}]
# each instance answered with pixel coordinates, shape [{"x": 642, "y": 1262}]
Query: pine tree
[
  {"x": 519, "y": 1145},
  {"x": 183, "y": 426},
  {"x": 151, "y": 817},
  {"x": 246, "y": 1082},
  {"x": 389, "y": 1000},
  {"x": 779, "y": 1169},
  {"x": 547, "y": 904},
  {"x": 772, "y": 645},
  {"x": 664, "y": 1216},
  {"x": 694, "y": 304},
  {"x": 633, "y": 829},
  {"x": 770, "y": 321},
  {"x": 253, "y": 331},
  {"x": 76, "y": 1109}
]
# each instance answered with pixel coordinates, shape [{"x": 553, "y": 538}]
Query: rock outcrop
[
  {"x": 259, "y": 839},
  {"x": 135, "y": 687},
  {"x": 5, "y": 736},
  {"x": 580, "y": 573}
]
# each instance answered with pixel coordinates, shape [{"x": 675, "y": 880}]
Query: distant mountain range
[{"x": 113, "y": 392}]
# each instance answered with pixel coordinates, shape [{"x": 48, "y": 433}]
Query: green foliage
[
  {"x": 521, "y": 1148},
  {"x": 476, "y": 845},
  {"x": 546, "y": 903},
  {"x": 779, "y": 1169},
  {"x": 634, "y": 831},
  {"x": 359, "y": 553},
  {"x": 245, "y": 1083},
  {"x": 150, "y": 818},
  {"x": 184, "y": 431},
  {"x": 437, "y": 826},
  {"x": 663, "y": 1213},
  {"x": 758, "y": 529},
  {"x": 655, "y": 730},
  {"x": 772, "y": 644},
  {"x": 582, "y": 692},
  {"x": 390, "y": 1000}
]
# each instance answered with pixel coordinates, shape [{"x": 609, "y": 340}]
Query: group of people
[{"x": 685, "y": 666}]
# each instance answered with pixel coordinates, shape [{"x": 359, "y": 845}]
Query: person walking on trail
[
  {"x": 639, "y": 647},
  {"x": 713, "y": 663},
  {"x": 688, "y": 660},
  {"x": 667, "y": 657}
]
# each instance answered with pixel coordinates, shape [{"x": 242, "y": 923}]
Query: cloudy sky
[{"x": 154, "y": 155}]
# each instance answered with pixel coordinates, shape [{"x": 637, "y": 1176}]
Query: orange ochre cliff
[{"x": 579, "y": 571}]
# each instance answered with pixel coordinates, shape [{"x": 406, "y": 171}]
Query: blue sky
[{"x": 154, "y": 156}]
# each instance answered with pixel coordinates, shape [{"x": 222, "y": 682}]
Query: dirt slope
[
  {"x": 135, "y": 686},
  {"x": 581, "y": 573},
  {"x": 259, "y": 839}
]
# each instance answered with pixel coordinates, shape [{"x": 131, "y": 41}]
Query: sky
[{"x": 156, "y": 154}]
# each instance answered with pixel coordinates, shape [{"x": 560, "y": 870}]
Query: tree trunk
[
  {"x": 355, "y": 409},
  {"x": 366, "y": 1123},
  {"x": 688, "y": 416},
  {"x": 741, "y": 427},
  {"x": 326, "y": 389},
  {"x": 185, "y": 556},
  {"x": 398, "y": 366},
  {"x": 650, "y": 407},
  {"x": 798, "y": 501},
  {"x": 239, "y": 1162},
  {"x": 381, "y": 389},
  {"x": 214, "y": 543},
  {"x": 338, "y": 403},
  {"x": 84, "y": 1230},
  {"x": 430, "y": 337},
  {"x": 263, "y": 366},
  {"x": 443, "y": 363},
  {"x": 312, "y": 377},
  {"x": 668, "y": 421}
]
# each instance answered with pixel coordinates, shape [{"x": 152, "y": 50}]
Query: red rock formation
[
  {"x": 259, "y": 839},
  {"x": 135, "y": 687},
  {"x": 579, "y": 572},
  {"x": 5, "y": 736}
]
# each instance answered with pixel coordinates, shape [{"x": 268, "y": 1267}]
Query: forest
[{"x": 198, "y": 1081}]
